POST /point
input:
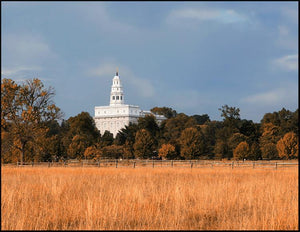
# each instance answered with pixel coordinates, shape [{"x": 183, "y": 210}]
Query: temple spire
[{"x": 116, "y": 94}]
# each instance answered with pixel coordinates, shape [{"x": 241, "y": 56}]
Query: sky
[{"x": 194, "y": 57}]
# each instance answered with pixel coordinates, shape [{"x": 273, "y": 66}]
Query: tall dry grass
[{"x": 146, "y": 198}]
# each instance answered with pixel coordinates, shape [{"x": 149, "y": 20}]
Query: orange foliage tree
[
  {"x": 242, "y": 151},
  {"x": 167, "y": 151},
  {"x": 92, "y": 152},
  {"x": 24, "y": 111},
  {"x": 288, "y": 146}
]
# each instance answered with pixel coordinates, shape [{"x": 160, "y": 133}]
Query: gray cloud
[
  {"x": 224, "y": 16},
  {"x": 286, "y": 63}
]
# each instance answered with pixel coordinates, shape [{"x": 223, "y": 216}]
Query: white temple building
[{"x": 118, "y": 115}]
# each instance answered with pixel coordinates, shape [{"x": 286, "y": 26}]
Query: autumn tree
[
  {"x": 288, "y": 146},
  {"x": 77, "y": 147},
  {"x": 285, "y": 120},
  {"x": 93, "y": 153},
  {"x": 166, "y": 111},
  {"x": 167, "y": 151},
  {"x": 242, "y": 151},
  {"x": 268, "y": 141},
  {"x": 144, "y": 144},
  {"x": 269, "y": 151},
  {"x": 26, "y": 108},
  {"x": 235, "y": 140},
  {"x": 192, "y": 143}
]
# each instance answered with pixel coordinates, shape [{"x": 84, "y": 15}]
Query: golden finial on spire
[{"x": 117, "y": 73}]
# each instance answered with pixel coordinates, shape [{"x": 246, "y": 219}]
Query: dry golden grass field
[{"x": 66, "y": 198}]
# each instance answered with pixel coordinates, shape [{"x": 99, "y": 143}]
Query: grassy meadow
[{"x": 66, "y": 198}]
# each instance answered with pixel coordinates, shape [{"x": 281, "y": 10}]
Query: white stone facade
[{"x": 117, "y": 115}]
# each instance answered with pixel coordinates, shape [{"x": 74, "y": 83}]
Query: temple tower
[{"x": 116, "y": 93}]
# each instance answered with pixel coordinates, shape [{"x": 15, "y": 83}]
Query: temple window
[{"x": 117, "y": 97}]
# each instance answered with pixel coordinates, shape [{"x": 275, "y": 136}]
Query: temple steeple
[{"x": 116, "y": 94}]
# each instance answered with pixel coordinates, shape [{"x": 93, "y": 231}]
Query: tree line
[{"x": 32, "y": 129}]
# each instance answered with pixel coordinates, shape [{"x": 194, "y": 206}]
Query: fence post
[
  {"x": 17, "y": 163},
  {"x": 99, "y": 164},
  {"x": 191, "y": 165},
  {"x": 275, "y": 165},
  {"x": 232, "y": 165},
  {"x": 116, "y": 163},
  {"x": 172, "y": 163},
  {"x": 31, "y": 163},
  {"x": 253, "y": 165},
  {"x": 134, "y": 164},
  {"x": 152, "y": 163},
  {"x": 48, "y": 164}
]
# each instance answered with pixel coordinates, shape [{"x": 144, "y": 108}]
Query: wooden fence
[{"x": 161, "y": 164}]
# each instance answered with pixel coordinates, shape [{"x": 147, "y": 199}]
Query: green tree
[
  {"x": 84, "y": 124},
  {"x": 201, "y": 119},
  {"x": 113, "y": 151},
  {"x": 255, "y": 152},
  {"x": 144, "y": 144},
  {"x": 126, "y": 137},
  {"x": 107, "y": 139},
  {"x": 209, "y": 130},
  {"x": 231, "y": 116},
  {"x": 172, "y": 128},
  {"x": 78, "y": 133},
  {"x": 268, "y": 141},
  {"x": 192, "y": 143},
  {"x": 148, "y": 123},
  {"x": 221, "y": 149}
]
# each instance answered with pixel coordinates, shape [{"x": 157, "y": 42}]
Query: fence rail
[{"x": 160, "y": 163}]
